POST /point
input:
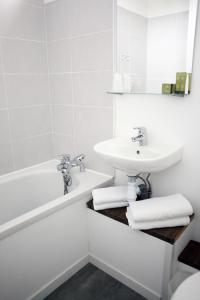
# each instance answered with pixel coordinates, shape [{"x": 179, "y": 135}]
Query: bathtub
[{"x": 43, "y": 233}]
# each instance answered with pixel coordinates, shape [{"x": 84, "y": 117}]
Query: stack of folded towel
[
  {"x": 110, "y": 197},
  {"x": 160, "y": 212}
]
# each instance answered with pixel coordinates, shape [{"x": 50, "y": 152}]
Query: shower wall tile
[
  {"x": 61, "y": 86},
  {"x": 32, "y": 151},
  {"x": 24, "y": 56},
  {"x": 96, "y": 52},
  {"x": 6, "y": 159},
  {"x": 92, "y": 125},
  {"x": 25, "y": 102},
  {"x": 89, "y": 88},
  {"x": 90, "y": 16},
  {"x": 1, "y": 58},
  {"x": 60, "y": 56},
  {"x": 2, "y": 93},
  {"x": 58, "y": 20},
  {"x": 4, "y": 127},
  {"x": 74, "y": 18},
  {"x": 37, "y": 120},
  {"x": 27, "y": 90},
  {"x": 80, "y": 51},
  {"x": 34, "y": 2},
  {"x": 63, "y": 143},
  {"x": 63, "y": 119},
  {"x": 21, "y": 21}
]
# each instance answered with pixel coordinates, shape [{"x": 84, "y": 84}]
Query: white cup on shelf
[{"x": 118, "y": 83}]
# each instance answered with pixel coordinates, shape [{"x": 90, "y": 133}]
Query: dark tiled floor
[{"x": 91, "y": 283}]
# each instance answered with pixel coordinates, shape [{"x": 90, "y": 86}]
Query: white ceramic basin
[{"x": 127, "y": 156}]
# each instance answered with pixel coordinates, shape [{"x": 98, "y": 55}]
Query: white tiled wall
[
  {"x": 25, "y": 120},
  {"x": 53, "y": 91},
  {"x": 80, "y": 61}
]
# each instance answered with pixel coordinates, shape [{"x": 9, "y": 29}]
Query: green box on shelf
[
  {"x": 181, "y": 78},
  {"x": 173, "y": 88},
  {"x": 190, "y": 82},
  {"x": 166, "y": 88}
]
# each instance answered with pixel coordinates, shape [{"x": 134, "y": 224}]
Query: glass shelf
[{"x": 135, "y": 93}]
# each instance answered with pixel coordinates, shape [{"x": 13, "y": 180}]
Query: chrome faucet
[
  {"x": 139, "y": 135},
  {"x": 65, "y": 166}
]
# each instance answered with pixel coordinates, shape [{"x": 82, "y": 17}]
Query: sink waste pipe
[{"x": 138, "y": 191}]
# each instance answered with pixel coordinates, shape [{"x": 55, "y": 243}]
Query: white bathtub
[{"x": 43, "y": 234}]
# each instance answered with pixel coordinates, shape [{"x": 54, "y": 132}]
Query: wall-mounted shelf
[{"x": 135, "y": 93}]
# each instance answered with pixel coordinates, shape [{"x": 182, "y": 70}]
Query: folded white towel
[
  {"x": 182, "y": 221},
  {"x": 110, "y": 194},
  {"x": 154, "y": 209},
  {"x": 110, "y": 205}
]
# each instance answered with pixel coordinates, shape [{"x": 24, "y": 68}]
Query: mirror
[{"x": 154, "y": 46}]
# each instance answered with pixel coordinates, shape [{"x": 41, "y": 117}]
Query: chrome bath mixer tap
[{"x": 65, "y": 166}]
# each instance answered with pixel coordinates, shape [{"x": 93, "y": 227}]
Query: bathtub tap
[{"x": 65, "y": 166}]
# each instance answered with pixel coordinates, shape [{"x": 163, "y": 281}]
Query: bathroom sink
[{"x": 127, "y": 156}]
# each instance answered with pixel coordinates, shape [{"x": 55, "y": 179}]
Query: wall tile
[
  {"x": 63, "y": 144},
  {"x": 27, "y": 90},
  {"x": 23, "y": 24},
  {"x": 74, "y": 18},
  {"x": 86, "y": 55},
  {"x": 61, "y": 86},
  {"x": 92, "y": 125},
  {"x": 6, "y": 160},
  {"x": 96, "y": 52},
  {"x": 89, "y": 125},
  {"x": 32, "y": 151},
  {"x": 34, "y": 2},
  {"x": 2, "y": 93},
  {"x": 63, "y": 120},
  {"x": 21, "y": 21},
  {"x": 90, "y": 16},
  {"x": 58, "y": 20},
  {"x": 60, "y": 56},
  {"x": 27, "y": 122},
  {"x": 90, "y": 88},
  {"x": 1, "y": 57},
  {"x": 4, "y": 127},
  {"x": 24, "y": 56}
]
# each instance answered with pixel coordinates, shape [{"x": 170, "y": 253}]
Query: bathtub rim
[{"x": 37, "y": 214}]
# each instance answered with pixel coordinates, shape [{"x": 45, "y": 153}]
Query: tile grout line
[
  {"x": 83, "y": 72},
  {"x": 31, "y": 137},
  {"x": 49, "y": 80},
  {"x": 57, "y": 73},
  {"x": 8, "y": 111},
  {"x": 74, "y": 118},
  {"x": 83, "y": 106},
  {"x": 58, "y": 105},
  {"x": 33, "y": 4},
  {"x": 23, "y": 106},
  {"x": 6, "y": 37},
  {"x": 84, "y": 35}
]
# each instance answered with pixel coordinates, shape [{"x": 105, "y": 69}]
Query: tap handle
[
  {"x": 139, "y": 130},
  {"x": 79, "y": 158},
  {"x": 64, "y": 158},
  {"x": 79, "y": 162}
]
